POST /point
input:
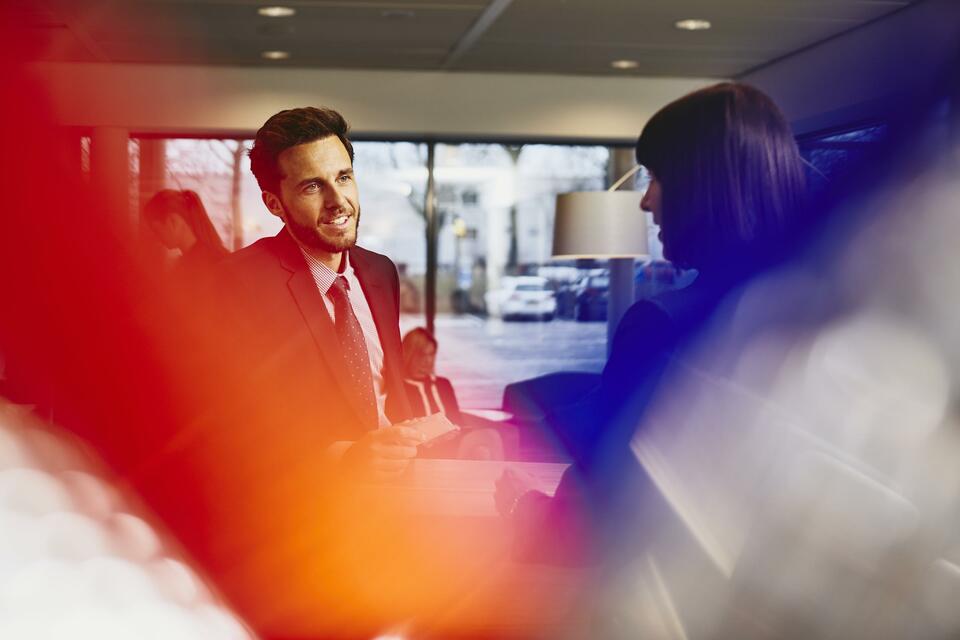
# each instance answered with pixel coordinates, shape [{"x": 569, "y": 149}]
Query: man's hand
[{"x": 384, "y": 453}]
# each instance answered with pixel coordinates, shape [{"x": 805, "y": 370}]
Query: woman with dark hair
[
  {"x": 726, "y": 187},
  {"x": 180, "y": 221},
  {"x": 726, "y": 178}
]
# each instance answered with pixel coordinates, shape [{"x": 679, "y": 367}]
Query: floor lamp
[{"x": 604, "y": 225}]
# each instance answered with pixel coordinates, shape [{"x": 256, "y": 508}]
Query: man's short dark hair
[{"x": 288, "y": 129}]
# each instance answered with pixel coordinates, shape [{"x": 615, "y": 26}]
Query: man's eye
[
  {"x": 345, "y": 178},
  {"x": 311, "y": 188}
]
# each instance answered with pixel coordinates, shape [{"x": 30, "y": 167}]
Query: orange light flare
[{"x": 157, "y": 382}]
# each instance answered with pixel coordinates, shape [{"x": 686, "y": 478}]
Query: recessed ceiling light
[
  {"x": 277, "y": 12},
  {"x": 692, "y": 24},
  {"x": 624, "y": 64},
  {"x": 275, "y": 55}
]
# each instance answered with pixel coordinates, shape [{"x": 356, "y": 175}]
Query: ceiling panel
[
  {"x": 238, "y": 53},
  {"x": 540, "y": 36},
  {"x": 588, "y": 35},
  {"x": 231, "y": 22},
  {"x": 595, "y": 60}
]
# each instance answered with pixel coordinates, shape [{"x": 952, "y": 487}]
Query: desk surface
[
  {"x": 491, "y": 596},
  {"x": 465, "y": 487},
  {"x": 496, "y": 415}
]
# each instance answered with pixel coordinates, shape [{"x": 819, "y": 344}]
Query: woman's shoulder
[
  {"x": 660, "y": 319},
  {"x": 691, "y": 303},
  {"x": 645, "y": 312},
  {"x": 665, "y": 307}
]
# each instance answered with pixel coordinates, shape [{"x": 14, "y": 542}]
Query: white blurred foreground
[
  {"x": 815, "y": 479},
  {"x": 76, "y": 559}
]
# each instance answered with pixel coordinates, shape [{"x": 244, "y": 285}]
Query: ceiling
[{"x": 579, "y": 37}]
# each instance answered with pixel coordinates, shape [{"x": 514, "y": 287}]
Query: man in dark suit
[{"x": 321, "y": 314}]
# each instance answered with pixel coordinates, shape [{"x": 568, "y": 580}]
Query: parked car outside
[
  {"x": 651, "y": 278},
  {"x": 592, "y": 294},
  {"x": 523, "y": 297}
]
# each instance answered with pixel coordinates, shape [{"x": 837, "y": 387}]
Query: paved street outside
[{"x": 482, "y": 355}]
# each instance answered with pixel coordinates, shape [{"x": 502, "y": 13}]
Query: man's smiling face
[{"x": 318, "y": 199}]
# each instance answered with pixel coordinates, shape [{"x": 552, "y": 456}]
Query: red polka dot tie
[{"x": 354, "y": 350}]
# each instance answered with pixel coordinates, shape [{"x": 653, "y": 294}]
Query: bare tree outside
[{"x": 214, "y": 169}]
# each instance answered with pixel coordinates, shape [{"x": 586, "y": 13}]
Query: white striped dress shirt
[{"x": 324, "y": 277}]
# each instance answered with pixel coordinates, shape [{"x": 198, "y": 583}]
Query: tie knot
[{"x": 340, "y": 285}]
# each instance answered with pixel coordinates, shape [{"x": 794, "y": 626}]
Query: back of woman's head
[
  {"x": 187, "y": 205},
  {"x": 731, "y": 177}
]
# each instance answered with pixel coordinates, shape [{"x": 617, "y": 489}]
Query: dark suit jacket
[
  {"x": 247, "y": 485},
  {"x": 597, "y": 431},
  {"x": 448, "y": 398},
  {"x": 291, "y": 347}
]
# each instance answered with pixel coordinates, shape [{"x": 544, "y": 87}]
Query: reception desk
[{"x": 451, "y": 504}]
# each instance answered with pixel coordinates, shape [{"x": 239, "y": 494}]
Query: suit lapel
[
  {"x": 304, "y": 291},
  {"x": 375, "y": 281},
  {"x": 376, "y": 294}
]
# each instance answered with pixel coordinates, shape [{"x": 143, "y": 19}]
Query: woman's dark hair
[
  {"x": 288, "y": 129},
  {"x": 731, "y": 176},
  {"x": 413, "y": 343},
  {"x": 187, "y": 205}
]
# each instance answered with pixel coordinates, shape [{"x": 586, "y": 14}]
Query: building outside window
[{"x": 501, "y": 306}]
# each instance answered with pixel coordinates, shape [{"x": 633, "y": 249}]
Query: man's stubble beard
[{"x": 311, "y": 237}]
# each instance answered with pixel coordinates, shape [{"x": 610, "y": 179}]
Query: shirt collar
[
  {"x": 430, "y": 378},
  {"x": 323, "y": 275}
]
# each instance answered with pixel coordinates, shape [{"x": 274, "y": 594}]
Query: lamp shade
[{"x": 600, "y": 224}]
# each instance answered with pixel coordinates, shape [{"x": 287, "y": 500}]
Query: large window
[
  {"x": 219, "y": 171},
  {"x": 829, "y": 154},
  {"x": 500, "y": 299},
  {"x": 504, "y": 310},
  {"x": 391, "y": 175}
]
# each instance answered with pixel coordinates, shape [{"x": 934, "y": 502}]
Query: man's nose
[{"x": 334, "y": 199}]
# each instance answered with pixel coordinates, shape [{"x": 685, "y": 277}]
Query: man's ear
[{"x": 273, "y": 203}]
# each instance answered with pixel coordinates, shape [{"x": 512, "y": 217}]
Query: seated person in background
[
  {"x": 429, "y": 393},
  {"x": 180, "y": 221}
]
